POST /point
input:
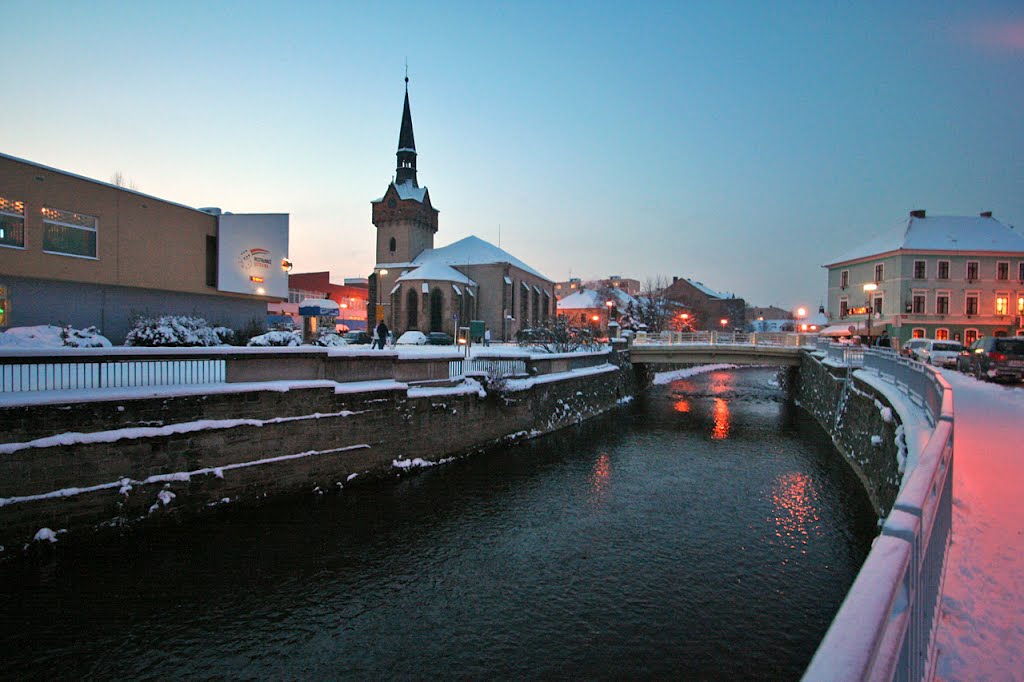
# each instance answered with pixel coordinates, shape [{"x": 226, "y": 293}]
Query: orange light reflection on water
[
  {"x": 796, "y": 516},
  {"x": 600, "y": 477},
  {"x": 723, "y": 420},
  {"x": 682, "y": 406}
]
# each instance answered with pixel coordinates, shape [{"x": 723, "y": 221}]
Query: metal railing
[
  {"x": 50, "y": 374},
  {"x": 732, "y": 338},
  {"x": 885, "y": 627}
]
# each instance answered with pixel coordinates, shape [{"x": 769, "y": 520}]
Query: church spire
[{"x": 406, "y": 170}]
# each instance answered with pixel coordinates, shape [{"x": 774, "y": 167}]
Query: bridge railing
[
  {"x": 713, "y": 337},
  {"x": 885, "y": 627}
]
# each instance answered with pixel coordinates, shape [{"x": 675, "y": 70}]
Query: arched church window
[
  {"x": 392, "y": 245},
  {"x": 412, "y": 310},
  {"x": 436, "y": 310}
]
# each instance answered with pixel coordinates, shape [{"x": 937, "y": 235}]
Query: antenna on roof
[{"x": 407, "y": 74}]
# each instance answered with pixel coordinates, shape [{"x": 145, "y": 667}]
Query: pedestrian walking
[
  {"x": 487, "y": 336},
  {"x": 381, "y": 334}
]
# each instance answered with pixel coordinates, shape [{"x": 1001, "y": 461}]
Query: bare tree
[
  {"x": 119, "y": 179},
  {"x": 655, "y": 310}
]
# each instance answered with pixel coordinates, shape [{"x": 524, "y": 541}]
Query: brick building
[
  {"x": 707, "y": 306},
  {"x": 82, "y": 252}
]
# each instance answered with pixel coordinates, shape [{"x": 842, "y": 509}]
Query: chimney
[
  {"x": 919, "y": 213},
  {"x": 986, "y": 214},
  {"x": 674, "y": 279}
]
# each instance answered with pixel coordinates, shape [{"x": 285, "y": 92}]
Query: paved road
[{"x": 981, "y": 631}]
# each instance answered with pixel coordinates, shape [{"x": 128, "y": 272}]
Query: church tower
[{"x": 404, "y": 218}]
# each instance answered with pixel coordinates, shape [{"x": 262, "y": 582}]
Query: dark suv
[
  {"x": 357, "y": 336},
  {"x": 994, "y": 357}
]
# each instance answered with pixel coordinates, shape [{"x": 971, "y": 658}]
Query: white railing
[
  {"x": 71, "y": 373},
  {"x": 885, "y": 628},
  {"x": 722, "y": 338}
]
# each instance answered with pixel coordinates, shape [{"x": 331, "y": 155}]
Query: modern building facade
[
  {"x": 81, "y": 252},
  {"x": 351, "y": 298},
  {"x": 415, "y": 286},
  {"x": 942, "y": 277}
]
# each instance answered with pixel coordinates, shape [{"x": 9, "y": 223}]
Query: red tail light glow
[{"x": 998, "y": 357}]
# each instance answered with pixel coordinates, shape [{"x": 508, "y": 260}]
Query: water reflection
[
  {"x": 682, "y": 406},
  {"x": 600, "y": 478},
  {"x": 795, "y": 498},
  {"x": 720, "y": 413}
]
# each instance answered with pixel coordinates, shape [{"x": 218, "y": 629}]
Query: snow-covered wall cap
[
  {"x": 435, "y": 271},
  {"x": 473, "y": 251},
  {"x": 458, "y": 291},
  {"x": 940, "y": 233}
]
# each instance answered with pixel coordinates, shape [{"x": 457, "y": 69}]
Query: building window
[
  {"x": 876, "y": 305},
  {"x": 1003, "y": 270},
  {"x": 1020, "y": 304},
  {"x": 844, "y": 279},
  {"x": 1002, "y": 303},
  {"x": 412, "y": 310},
  {"x": 919, "y": 269},
  {"x": 211, "y": 261},
  {"x": 917, "y": 306},
  {"x": 844, "y": 307},
  {"x": 918, "y": 333},
  {"x": 879, "y": 271},
  {"x": 1020, "y": 271},
  {"x": 942, "y": 303},
  {"x": 69, "y": 233},
  {"x": 971, "y": 304},
  {"x": 972, "y": 270},
  {"x": 12, "y": 222},
  {"x": 942, "y": 334},
  {"x": 970, "y": 336},
  {"x": 392, "y": 245},
  {"x": 943, "y": 270}
]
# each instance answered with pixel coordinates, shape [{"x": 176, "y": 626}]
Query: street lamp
[
  {"x": 800, "y": 314},
  {"x": 868, "y": 289},
  {"x": 724, "y": 321},
  {"x": 380, "y": 285}
]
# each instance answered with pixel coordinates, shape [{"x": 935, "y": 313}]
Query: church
[{"x": 415, "y": 286}]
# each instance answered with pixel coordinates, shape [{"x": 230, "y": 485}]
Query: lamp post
[
  {"x": 800, "y": 314},
  {"x": 868, "y": 289},
  {"x": 685, "y": 317},
  {"x": 380, "y": 285},
  {"x": 610, "y": 304}
]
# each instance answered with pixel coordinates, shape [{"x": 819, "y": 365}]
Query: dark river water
[{"x": 705, "y": 531}]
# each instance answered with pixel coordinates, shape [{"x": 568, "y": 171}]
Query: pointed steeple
[{"x": 406, "y": 170}]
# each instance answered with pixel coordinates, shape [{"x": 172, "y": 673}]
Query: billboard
[{"x": 250, "y": 248}]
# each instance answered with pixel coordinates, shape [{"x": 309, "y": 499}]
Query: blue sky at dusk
[{"x": 741, "y": 144}]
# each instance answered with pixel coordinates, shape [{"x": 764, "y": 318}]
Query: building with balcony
[
  {"x": 942, "y": 277},
  {"x": 82, "y": 252}
]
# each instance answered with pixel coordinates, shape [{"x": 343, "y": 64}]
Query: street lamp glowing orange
[
  {"x": 724, "y": 321},
  {"x": 595, "y": 318}
]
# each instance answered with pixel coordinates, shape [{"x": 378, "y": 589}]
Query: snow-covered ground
[{"x": 981, "y": 631}]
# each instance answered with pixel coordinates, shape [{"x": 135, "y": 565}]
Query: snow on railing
[
  {"x": 885, "y": 628},
  {"x": 723, "y": 338},
  {"x": 82, "y": 372}
]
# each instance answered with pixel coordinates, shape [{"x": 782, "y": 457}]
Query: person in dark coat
[
  {"x": 382, "y": 334},
  {"x": 883, "y": 340}
]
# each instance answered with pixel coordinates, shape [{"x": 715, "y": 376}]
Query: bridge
[{"x": 703, "y": 348}]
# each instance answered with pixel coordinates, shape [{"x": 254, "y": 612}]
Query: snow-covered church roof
[
  {"x": 407, "y": 190},
  {"x": 435, "y": 271},
  {"x": 471, "y": 251},
  {"x": 940, "y": 233}
]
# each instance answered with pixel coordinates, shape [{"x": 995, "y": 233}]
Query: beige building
[
  {"x": 418, "y": 287},
  {"x": 82, "y": 252}
]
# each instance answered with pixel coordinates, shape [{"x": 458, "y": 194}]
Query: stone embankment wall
[
  {"x": 101, "y": 465},
  {"x": 862, "y": 425}
]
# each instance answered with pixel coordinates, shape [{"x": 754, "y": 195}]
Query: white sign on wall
[{"x": 250, "y": 248}]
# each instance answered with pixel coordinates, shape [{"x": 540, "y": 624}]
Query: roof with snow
[
  {"x": 406, "y": 190},
  {"x": 589, "y": 299},
  {"x": 471, "y": 251},
  {"x": 435, "y": 270},
  {"x": 940, "y": 233},
  {"x": 708, "y": 291}
]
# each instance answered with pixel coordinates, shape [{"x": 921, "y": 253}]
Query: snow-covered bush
[
  {"x": 52, "y": 336},
  {"x": 177, "y": 330},
  {"x": 330, "y": 339},
  {"x": 277, "y": 338}
]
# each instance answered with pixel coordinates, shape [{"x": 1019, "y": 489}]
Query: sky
[{"x": 741, "y": 144}]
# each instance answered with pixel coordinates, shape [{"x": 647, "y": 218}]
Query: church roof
[
  {"x": 406, "y": 140},
  {"x": 406, "y": 190},
  {"x": 472, "y": 251},
  {"x": 940, "y": 233},
  {"x": 435, "y": 271}
]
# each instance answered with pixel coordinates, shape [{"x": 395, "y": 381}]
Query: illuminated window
[
  {"x": 12, "y": 222},
  {"x": 918, "y": 333},
  {"x": 919, "y": 269},
  {"x": 69, "y": 233},
  {"x": 972, "y": 269},
  {"x": 1002, "y": 303},
  {"x": 942, "y": 303},
  {"x": 942, "y": 334},
  {"x": 943, "y": 272},
  {"x": 970, "y": 336},
  {"x": 1003, "y": 270},
  {"x": 1020, "y": 304}
]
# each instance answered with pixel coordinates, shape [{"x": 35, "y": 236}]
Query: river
[{"x": 707, "y": 530}]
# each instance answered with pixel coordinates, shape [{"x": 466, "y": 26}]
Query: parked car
[
  {"x": 357, "y": 336},
  {"x": 994, "y": 357},
  {"x": 412, "y": 338},
  {"x": 911, "y": 347},
  {"x": 935, "y": 352},
  {"x": 440, "y": 339}
]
